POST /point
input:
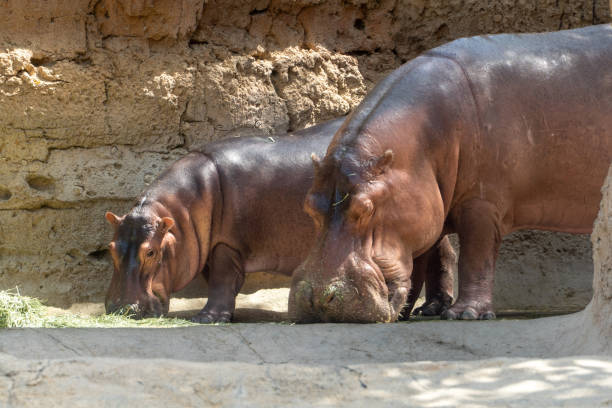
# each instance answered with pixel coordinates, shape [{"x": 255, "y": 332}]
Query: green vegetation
[
  {"x": 24, "y": 311},
  {"x": 333, "y": 290}
]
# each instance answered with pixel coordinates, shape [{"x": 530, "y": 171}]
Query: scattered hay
[
  {"x": 24, "y": 311},
  {"x": 20, "y": 311}
]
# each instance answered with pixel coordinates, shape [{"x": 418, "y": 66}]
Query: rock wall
[
  {"x": 98, "y": 96},
  {"x": 598, "y": 314},
  {"x": 590, "y": 331}
]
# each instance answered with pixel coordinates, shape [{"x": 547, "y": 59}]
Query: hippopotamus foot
[
  {"x": 434, "y": 306},
  {"x": 212, "y": 316},
  {"x": 472, "y": 310}
]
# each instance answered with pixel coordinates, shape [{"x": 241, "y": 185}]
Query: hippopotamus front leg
[
  {"x": 435, "y": 268},
  {"x": 478, "y": 226},
  {"x": 439, "y": 278},
  {"x": 225, "y": 278}
]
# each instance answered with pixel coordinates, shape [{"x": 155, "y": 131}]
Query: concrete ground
[{"x": 522, "y": 363}]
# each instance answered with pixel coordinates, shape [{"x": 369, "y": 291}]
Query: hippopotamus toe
[
  {"x": 468, "y": 312},
  {"x": 207, "y": 317},
  {"x": 487, "y": 316},
  {"x": 433, "y": 307}
]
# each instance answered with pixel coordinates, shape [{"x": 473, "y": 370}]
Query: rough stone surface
[
  {"x": 99, "y": 96},
  {"x": 427, "y": 364},
  {"x": 501, "y": 382},
  {"x": 595, "y": 322}
]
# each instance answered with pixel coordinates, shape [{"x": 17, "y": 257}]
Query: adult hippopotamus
[
  {"x": 482, "y": 137},
  {"x": 234, "y": 208}
]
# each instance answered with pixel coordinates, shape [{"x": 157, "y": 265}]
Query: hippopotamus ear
[
  {"x": 165, "y": 224},
  {"x": 316, "y": 162},
  {"x": 113, "y": 219},
  {"x": 385, "y": 161}
]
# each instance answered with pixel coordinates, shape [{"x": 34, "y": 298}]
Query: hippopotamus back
[
  {"x": 536, "y": 96},
  {"x": 263, "y": 182}
]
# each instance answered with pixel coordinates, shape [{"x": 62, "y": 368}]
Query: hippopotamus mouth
[
  {"x": 139, "y": 287},
  {"x": 151, "y": 306},
  {"x": 358, "y": 294}
]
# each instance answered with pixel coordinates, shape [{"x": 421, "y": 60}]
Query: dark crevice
[
  {"x": 5, "y": 194},
  {"x": 57, "y": 205},
  {"x": 402, "y": 59},
  {"x": 83, "y": 59},
  {"x": 98, "y": 254},
  {"x": 359, "y": 24},
  {"x": 442, "y": 31},
  {"x": 194, "y": 43},
  {"x": 39, "y": 61},
  {"x": 105, "y": 101},
  {"x": 358, "y": 53},
  {"x": 45, "y": 61},
  {"x": 255, "y": 11},
  {"x": 40, "y": 183}
]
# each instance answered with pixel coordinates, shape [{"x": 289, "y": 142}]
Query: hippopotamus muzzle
[
  {"x": 144, "y": 307},
  {"x": 357, "y": 293}
]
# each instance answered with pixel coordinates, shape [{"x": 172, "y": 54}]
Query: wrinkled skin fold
[{"x": 480, "y": 137}]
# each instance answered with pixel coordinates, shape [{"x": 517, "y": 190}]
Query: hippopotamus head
[
  {"x": 356, "y": 271},
  {"x": 141, "y": 247}
]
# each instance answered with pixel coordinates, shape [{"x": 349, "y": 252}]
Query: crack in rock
[
  {"x": 248, "y": 344},
  {"x": 64, "y": 345}
]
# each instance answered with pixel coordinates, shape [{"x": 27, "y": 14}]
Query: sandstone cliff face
[
  {"x": 97, "y": 97},
  {"x": 590, "y": 331},
  {"x": 597, "y": 318}
]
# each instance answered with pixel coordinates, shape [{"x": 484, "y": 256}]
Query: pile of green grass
[{"x": 23, "y": 311}]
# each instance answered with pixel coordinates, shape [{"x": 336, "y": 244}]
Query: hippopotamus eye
[{"x": 316, "y": 203}]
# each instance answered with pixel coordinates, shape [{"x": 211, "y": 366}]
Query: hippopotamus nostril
[
  {"x": 330, "y": 298},
  {"x": 130, "y": 310},
  {"x": 331, "y": 295}
]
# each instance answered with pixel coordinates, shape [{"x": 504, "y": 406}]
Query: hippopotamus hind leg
[
  {"x": 477, "y": 223},
  {"x": 225, "y": 278}
]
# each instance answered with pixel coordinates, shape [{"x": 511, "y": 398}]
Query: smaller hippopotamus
[{"x": 233, "y": 208}]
